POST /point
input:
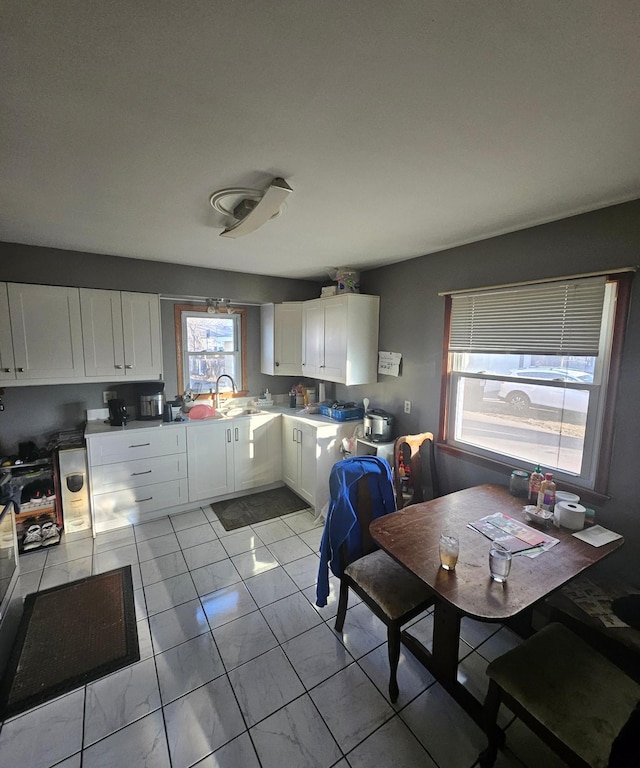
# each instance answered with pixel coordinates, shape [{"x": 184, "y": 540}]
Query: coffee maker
[{"x": 117, "y": 413}]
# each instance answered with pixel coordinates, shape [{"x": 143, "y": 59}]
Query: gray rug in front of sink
[{"x": 236, "y": 513}]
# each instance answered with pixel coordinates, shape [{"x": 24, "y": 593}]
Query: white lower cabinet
[
  {"x": 135, "y": 473},
  {"x": 229, "y": 456},
  {"x": 309, "y": 450}
]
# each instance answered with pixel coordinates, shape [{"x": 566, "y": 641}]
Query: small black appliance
[{"x": 118, "y": 416}]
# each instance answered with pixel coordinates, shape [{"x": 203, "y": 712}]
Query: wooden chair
[
  {"x": 393, "y": 594},
  {"x": 571, "y": 696},
  {"x": 414, "y": 450}
]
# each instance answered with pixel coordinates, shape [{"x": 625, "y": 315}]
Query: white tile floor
[{"x": 239, "y": 669}]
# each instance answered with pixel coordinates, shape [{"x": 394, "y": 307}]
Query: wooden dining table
[{"x": 411, "y": 537}]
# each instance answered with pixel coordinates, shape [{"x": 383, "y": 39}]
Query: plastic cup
[
  {"x": 499, "y": 563},
  {"x": 449, "y": 549}
]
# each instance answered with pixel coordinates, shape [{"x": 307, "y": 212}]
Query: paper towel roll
[{"x": 570, "y": 515}]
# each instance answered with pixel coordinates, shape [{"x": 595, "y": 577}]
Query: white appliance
[{"x": 74, "y": 489}]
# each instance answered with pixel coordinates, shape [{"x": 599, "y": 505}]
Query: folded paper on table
[
  {"x": 597, "y": 536},
  {"x": 512, "y": 534}
]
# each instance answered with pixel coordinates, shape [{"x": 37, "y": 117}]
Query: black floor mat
[
  {"x": 235, "y": 513},
  {"x": 69, "y": 636}
]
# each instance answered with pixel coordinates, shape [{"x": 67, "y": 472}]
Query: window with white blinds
[
  {"x": 563, "y": 318},
  {"x": 528, "y": 372}
]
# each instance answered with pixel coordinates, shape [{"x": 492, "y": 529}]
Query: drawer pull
[
  {"x": 139, "y": 445},
  {"x": 139, "y": 501},
  {"x": 128, "y": 365},
  {"x": 119, "y": 367},
  {"x": 147, "y": 472}
]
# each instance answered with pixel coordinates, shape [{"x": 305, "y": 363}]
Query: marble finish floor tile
[
  {"x": 163, "y": 567},
  {"x": 168, "y": 593},
  {"x": 270, "y": 586},
  {"x": 214, "y": 708},
  {"x": 288, "y": 550},
  {"x": 295, "y": 737},
  {"x": 241, "y": 541},
  {"x": 204, "y": 553},
  {"x": 63, "y": 553},
  {"x": 304, "y": 571},
  {"x": 191, "y": 537},
  {"x": 312, "y": 538},
  {"x": 316, "y": 655},
  {"x": 302, "y": 521},
  {"x": 119, "y": 699},
  {"x": 66, "y": 572},
  {"x": 391, "y": 746},
  {"x": 121, "y": 537},
  {"x": 265, "y": 684},
  {"x": 362, "y": 631},
  {"x": 216, "y": 576},
  {"x": 227, "y": 604},
  {"x": 153, "y": 528},
  {"x": 412, "y": 677},
  {"x": 177, "y": 625},
  {"x": 188, "y": 666},
  {"x": 243, "y": 639},
  {"x": 238, "y": 753},
  {"x": 351, "y": 706},
  {"x": 254, "y": 562},
  {"x": 142, "y": 744},
  {"x": 186, "y": 520},
  {"x": 45, "y": 735},
  {"x": 272, "y": 530},
  {"x": 290, "y": 616},
  {"x": 158, "y": 546}
]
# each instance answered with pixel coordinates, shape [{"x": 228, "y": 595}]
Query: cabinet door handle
[
  {"x": 20, "y": 370},
  {"x": 294, "y": 435},
  {"x": 236, "y": 434},
  {"x": 128, "y": 365},
  {"x": 139, "y": 445},
  {"x": 228, "y": 435},
  {"x": 147, "y": 472},
  {"x": 139, "y": 501},
  {"x": 6, "y": 370},
  {"x": 120, "y": 367},
  {"x": 277, "y": 364}
]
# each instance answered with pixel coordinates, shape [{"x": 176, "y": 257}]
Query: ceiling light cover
[{"x": 268, "y": 206}]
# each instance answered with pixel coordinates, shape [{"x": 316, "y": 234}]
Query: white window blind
[{"x": 556, "y": 318}]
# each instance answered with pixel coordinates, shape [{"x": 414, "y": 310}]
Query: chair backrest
[
  {"x": 370, "y": 495},
  {"x": 418, "y": 455}
]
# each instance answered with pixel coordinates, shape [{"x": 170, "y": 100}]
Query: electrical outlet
[
  {"x": 108, "y": 395},
  {"x": 407, "y": 406}
]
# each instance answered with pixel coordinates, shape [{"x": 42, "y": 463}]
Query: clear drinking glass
[
  {"x": 449, "y": 548},
  {"x": 499, "y": 563}
]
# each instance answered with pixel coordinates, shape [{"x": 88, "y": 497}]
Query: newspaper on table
[{"x": 519, "y": 538}]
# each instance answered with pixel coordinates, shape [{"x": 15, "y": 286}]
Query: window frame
[
  {"x": 241, "y": 381},
  {"x": 599, "y": 492}
]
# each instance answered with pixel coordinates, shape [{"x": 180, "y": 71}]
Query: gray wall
[
  {"x": 33, "y": 413},
  {"x": 412, "y": 322}
]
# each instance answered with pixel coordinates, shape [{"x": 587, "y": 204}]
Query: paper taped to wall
[{"x": 389, "y": 363}]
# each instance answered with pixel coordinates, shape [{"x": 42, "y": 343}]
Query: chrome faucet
[{"x": 233, "y": 385}]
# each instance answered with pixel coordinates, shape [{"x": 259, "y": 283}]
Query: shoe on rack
[
  {"x": 32, "y": 538},
  {"x": 50, "y": 534}
]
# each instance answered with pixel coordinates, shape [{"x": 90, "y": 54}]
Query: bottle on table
[
  {"x": 535, "y": 480},
  {"x": 547, "y": 493}
]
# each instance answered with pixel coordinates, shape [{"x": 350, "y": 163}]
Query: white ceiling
[{"x": 403, "y": 127}]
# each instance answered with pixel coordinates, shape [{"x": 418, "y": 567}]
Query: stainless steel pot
[
  {"x": 150, "y": 406},
  {"x": 378, "y": 425}
]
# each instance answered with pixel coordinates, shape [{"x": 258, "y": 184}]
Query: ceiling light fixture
[{"x": 250, "y": 208}]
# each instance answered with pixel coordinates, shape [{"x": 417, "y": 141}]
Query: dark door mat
[
  {"x": 235, "y": 513},
  {"x": 69, "y": 636}
]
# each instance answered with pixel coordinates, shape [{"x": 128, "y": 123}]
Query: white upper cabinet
[
  {"x": 46, "y": 332},
  {"x": 281, "y": 332},
  {"x": 340, "y": 338},
  {"x": 121, "y": 334},
  {"x": 7, "y": 365}
]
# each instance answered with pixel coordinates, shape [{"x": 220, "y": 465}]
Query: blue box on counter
[{"x": 342, "y": 414}]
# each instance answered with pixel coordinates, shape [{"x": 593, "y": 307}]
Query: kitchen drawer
[
  {"x": 133, "y": 474},
  {"x": 136, "y": 444},
  {"x": 120, "y": 508}
]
